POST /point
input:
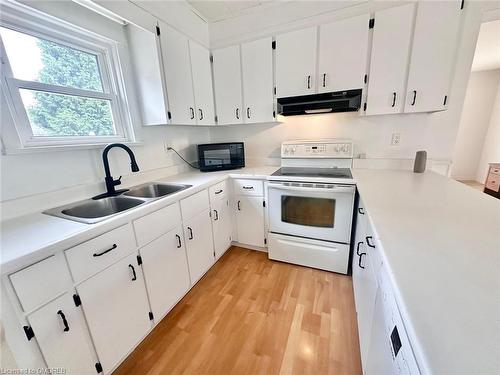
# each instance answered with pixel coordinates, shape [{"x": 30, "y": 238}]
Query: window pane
[
  {"x": 56, "y": 115},
  {"x": 40, "y": 60}
]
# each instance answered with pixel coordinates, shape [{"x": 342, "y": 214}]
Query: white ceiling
[
  {"x": 487, "y": 55},
  {"x": 214, "y": 11}
]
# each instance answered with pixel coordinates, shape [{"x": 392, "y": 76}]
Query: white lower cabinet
[
  {"x": 117, "y": 310},
  {"x": 221, "y": 225},
  {"x": 199, "y": 244},
  {"x": 250, "y": 220},
  {"x": 165, "y": 271},
  {"x": 63, "y": 338}
]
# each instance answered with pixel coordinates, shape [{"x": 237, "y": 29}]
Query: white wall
[
  {"x": 474, "y": 123},
  {"x": 491, "y": 147}
]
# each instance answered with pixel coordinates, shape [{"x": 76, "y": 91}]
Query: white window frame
[{"x": 32, "y": 22}]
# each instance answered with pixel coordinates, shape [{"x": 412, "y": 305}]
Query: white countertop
[{"x": 441, "y": 243}]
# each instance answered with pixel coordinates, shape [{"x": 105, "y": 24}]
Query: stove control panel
[{"x": 319, "y": 149}]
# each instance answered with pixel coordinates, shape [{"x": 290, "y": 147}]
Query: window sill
[{"x": 40, "y": 149}]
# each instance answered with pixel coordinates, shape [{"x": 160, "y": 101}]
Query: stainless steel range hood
[{"x": 340, "y": 101}]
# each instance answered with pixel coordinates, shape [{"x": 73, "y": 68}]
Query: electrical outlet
[
  {"x": 167, "y": 145},
  {"x": 396, "y": 139}
]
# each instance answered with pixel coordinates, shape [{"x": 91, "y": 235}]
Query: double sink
[{"x": 92, "y": 211}]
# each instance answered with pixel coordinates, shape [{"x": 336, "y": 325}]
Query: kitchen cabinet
[
  {"x": 202, "y": 84},
  {"x": 179, "y": 81},
  {"x": 389, "y": 60},
  {"x": 342, "y": 54},
  {"x": 435, "y": 40},
  {"x": 296, "y": 54},
  {"x": 228, "y": 85},
  {"x": 250, "y": 220},
  {"x": 62, "y": 336},
  {"x": 166, "y": 271},
  {"x": 116, "y": 309},
  {"x": 199, "y": 244},
  {"x": 257, "y": 67},
  {"x": 221, "y": 225}
]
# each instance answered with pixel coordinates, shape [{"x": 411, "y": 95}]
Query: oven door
[{"x": 318, "y": 211}]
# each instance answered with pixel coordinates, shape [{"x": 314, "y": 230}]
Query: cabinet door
[
  {"x": 227, "y": 84},
  {"x": 165, "y": 271},
  {"x": 117, "y": 310},
  {"x": 342, "y": 54},
  {"x": 389, "y": 60},
  {"x": 199, "y": 245},
  {"x": 177, "y": 68},
  {"x": 257, "y": 63},
  {"x": 63, "y": 338},
  {"x": 296, "y": 63},
  {"x": 221, "y": 224},
  {"x": 250, "y": 220},
  {"x": 433, "y": 55},
  {"x": 202, "y": 84}
]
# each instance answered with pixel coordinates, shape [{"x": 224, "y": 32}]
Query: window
[{"x": 64, "y": 84}]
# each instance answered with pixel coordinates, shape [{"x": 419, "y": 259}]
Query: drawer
[
  {"x": 92, "y": 256},
  {"x": 194, "y": 204},
  {"x": 41, "y": 281},
  {"x": 152, "y": 226},
  {"x": 495, "y": 170},
  {"x": 493, "y": 182},
  {"x": 248, "y": 187},
  {"x": 218, "y": 191}
]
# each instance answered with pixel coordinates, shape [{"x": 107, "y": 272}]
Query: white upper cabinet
[
  {"x": 227, "y": 85},
  {"x": 296, "y": 62},
  {"x": 177, "y": 67},
  {"x": 389, "y": 60},
  {"x": 432, "y": 58},
  {"x": 343, "y": 47},
  {"x": 202, "y": 84},
  {"x": 257, "y": 65}
]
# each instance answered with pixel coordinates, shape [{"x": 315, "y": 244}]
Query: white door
[
  {"x": 227, "y": 85},
  {"x": 296, "y": 54},
  {"x": 432, "y": 58},
  {"x": 62, "y": 335},
  {"x": 250, "y": 220},
  {"x": 166, "y": 271},
  {"x": 221, "y": 224},
  {"x": 202, "y": 84},
  {"x": 117, "y": 310},
  {"x": 257, "y": 65},
  {"x": 343, "y": 47},
  {"x": 199, "y": 245},
  {"x": 389, "y": 60},
  {"x": 177, "y": 68}
]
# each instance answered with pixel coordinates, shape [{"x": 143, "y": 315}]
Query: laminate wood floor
[{"x": 251, "y": 315}]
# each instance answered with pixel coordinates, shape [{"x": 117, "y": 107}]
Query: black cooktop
[{"x": 314, "y": 172}]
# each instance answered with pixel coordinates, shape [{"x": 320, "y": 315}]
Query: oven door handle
[{"x": 336, "y": 189}]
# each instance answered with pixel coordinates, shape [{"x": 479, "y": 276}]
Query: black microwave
[{"x": 221, "y": 156}]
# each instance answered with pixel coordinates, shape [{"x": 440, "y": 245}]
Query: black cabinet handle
[
  {"x": 357, "y": 248},
  {"x": 368, "y": 241},
  {"x": 414, "y": 97},
  {"x": 248, "y": 187},
  {"x": 324, "y": 79},
  {"x": 393, "y": 99},
  {"x": 179, "y": 243},
  {"x": 237, "y": 113},
  {"x": 359, "y": 260},
  {"x": 105, "y": 251},
  {"x": 219, "y": 191},
  {"x": 361, "y": 211},
  {"x": 248, "y": 112},
  {"x": 65, "y": 322},
  {"x": 216, "y": 215},
  {"x": 238, "y": 204},
  {"x": 308, "y": 82},
  {"x": 134, "y": 276},
  {"x": 191, "y": 109},
  {"x": 190, "y": 233},
  {"x": 201, "y": 113}
]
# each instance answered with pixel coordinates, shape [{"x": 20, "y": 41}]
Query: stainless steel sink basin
[
  {"x": 155, "y": 190},
  {"x": 92, "y": 211}
]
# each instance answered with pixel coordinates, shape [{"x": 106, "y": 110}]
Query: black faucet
[{"x": 110, "y": 182}]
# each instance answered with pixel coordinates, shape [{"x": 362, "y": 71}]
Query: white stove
[{"x": 311, "y": 200}]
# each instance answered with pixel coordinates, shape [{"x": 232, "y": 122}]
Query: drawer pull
[
  {"x": 190, "y": 233},
  {"x": 179, "y": 243},
  {"x": 361, "y": 211},
  {"x": 65, "y": 322},
  {"x": 219, "y": 191},
  {"x": 239, "y": 205},
  {"x": 248, "y": 187},
  {"x": 134, "y": 276},
  {"x": 357, "y": 248},
  {"x": 216, "y": 215},
  {"x": 359, "y": 260},
  {"x": 368, "y": 239},
  {"x": 105, "y": 251}
]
